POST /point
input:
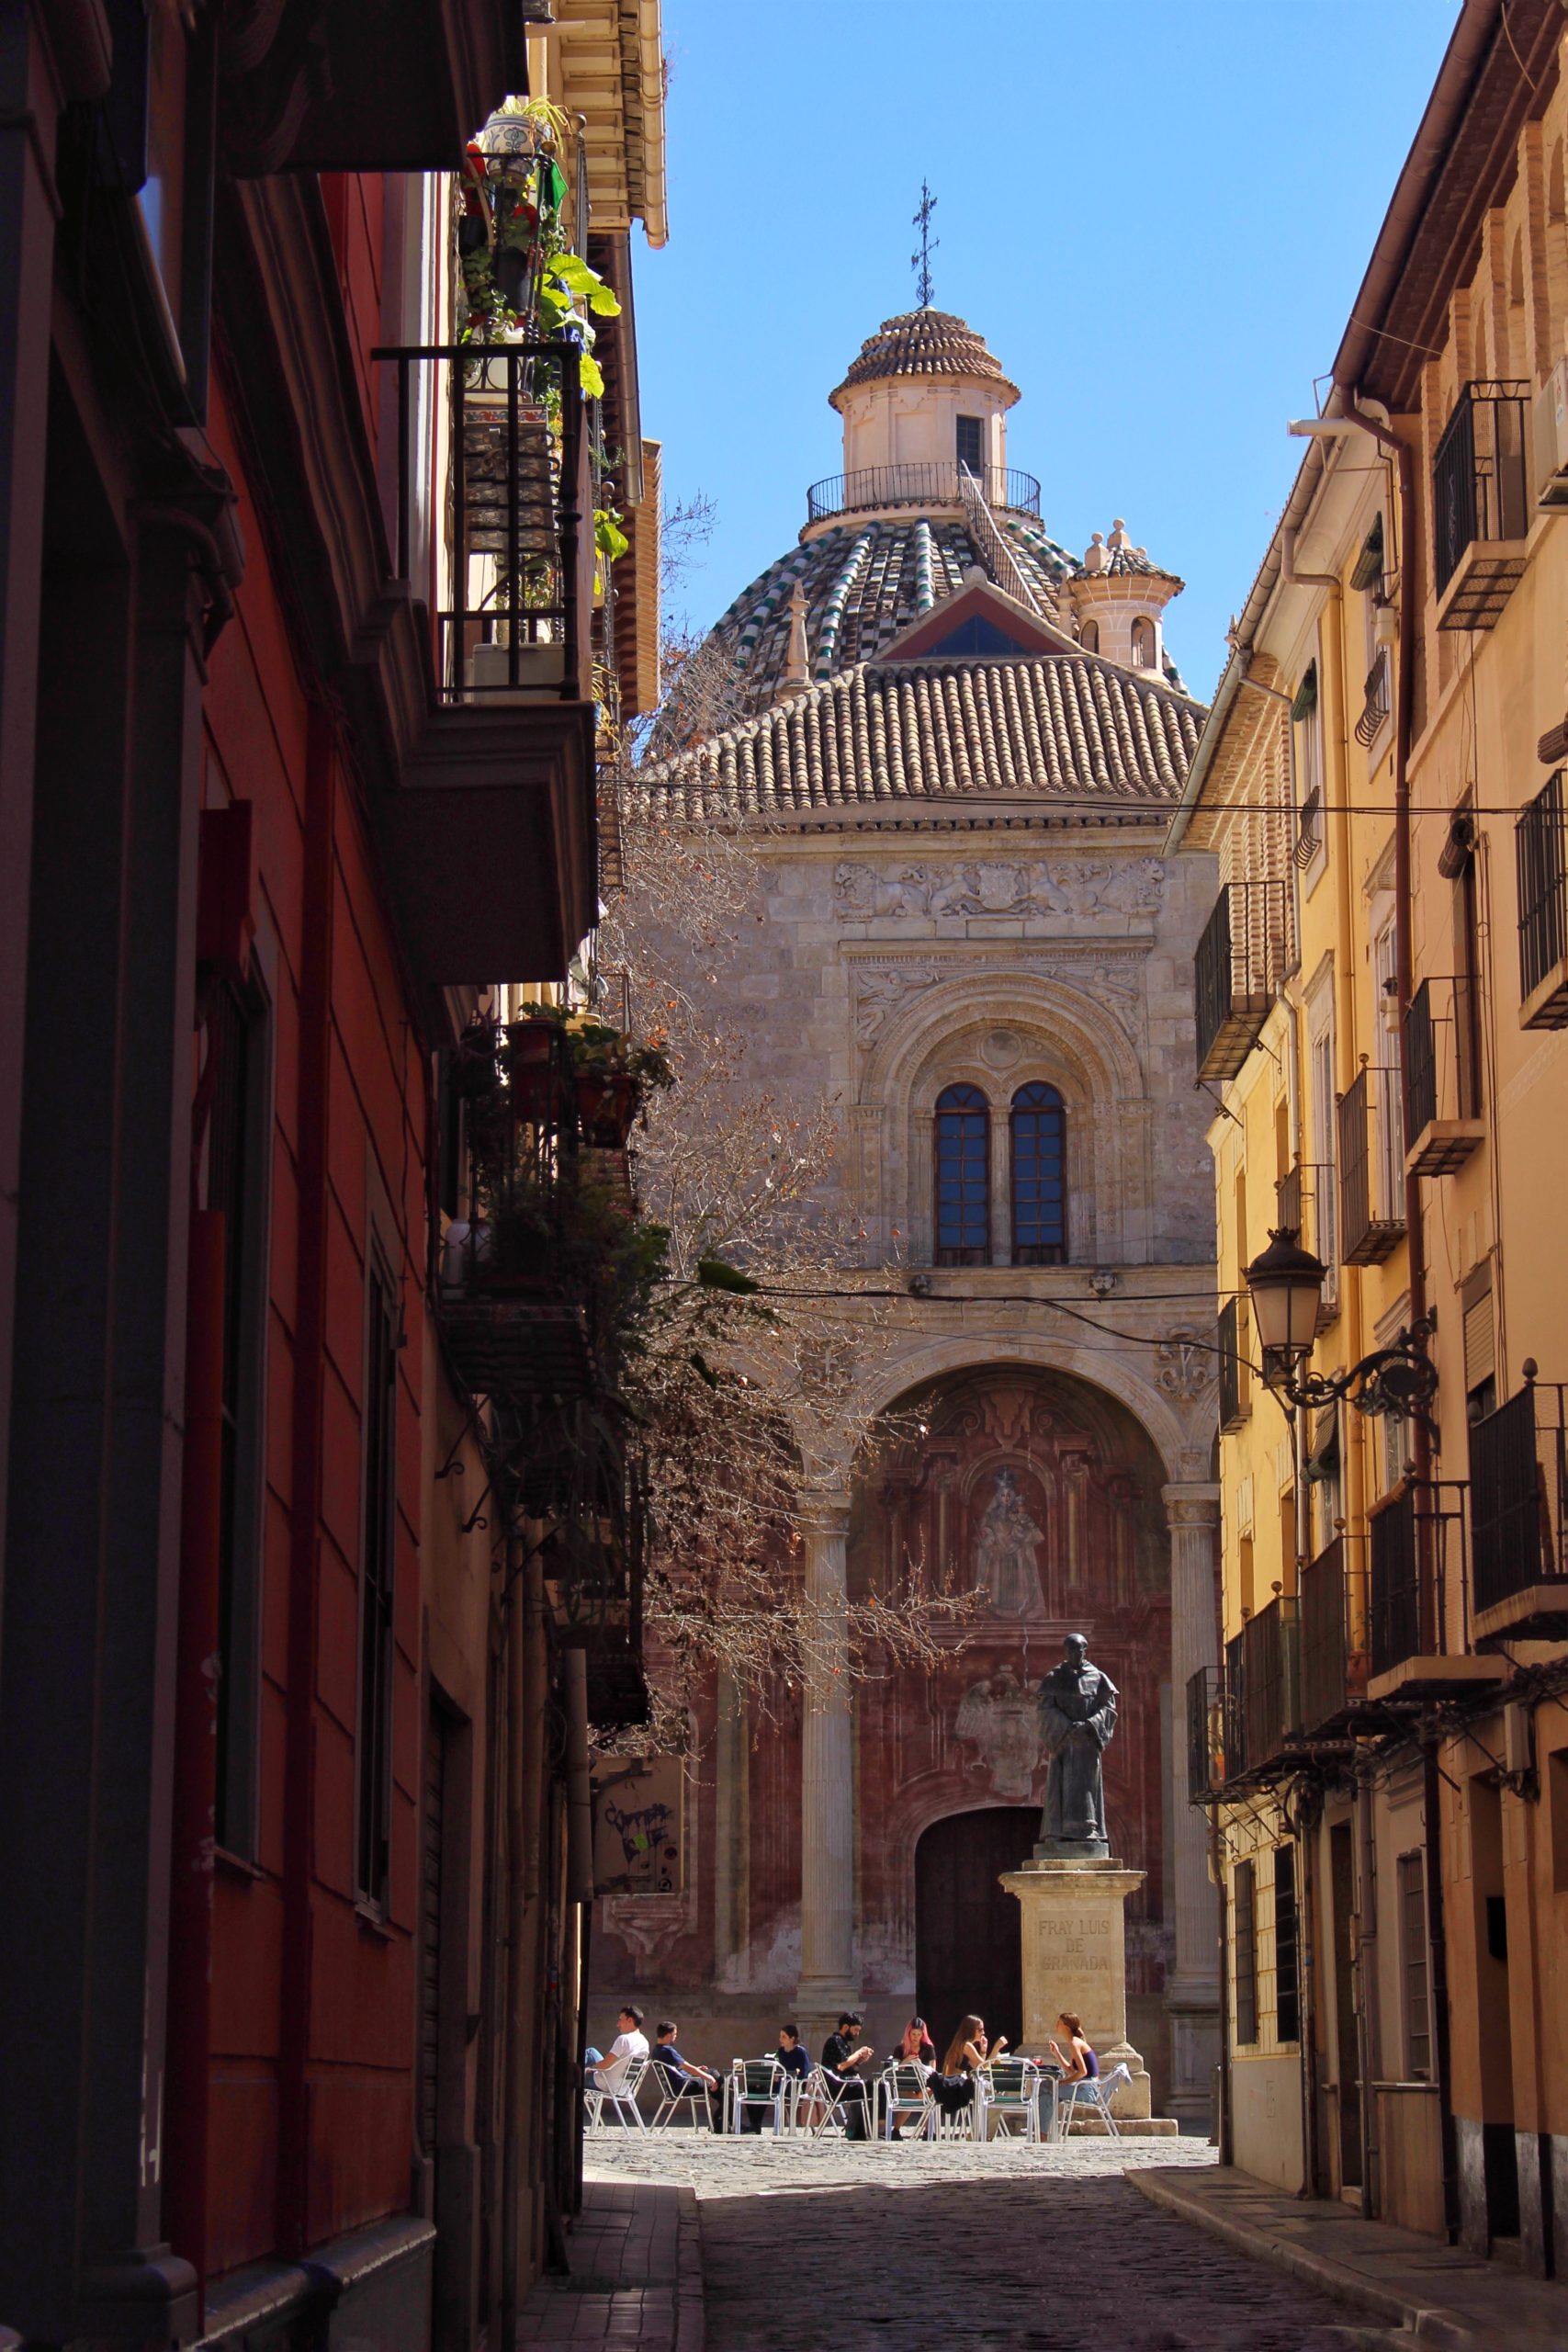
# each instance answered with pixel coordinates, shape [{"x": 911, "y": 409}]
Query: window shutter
[
  {"x": 1367, "y": 572},
  {"x": 1305, "y": 702},
  {"x": 1480, "y": 1347}
]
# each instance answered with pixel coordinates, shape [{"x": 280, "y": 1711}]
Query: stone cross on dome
[{"x": 920, "y": 263}]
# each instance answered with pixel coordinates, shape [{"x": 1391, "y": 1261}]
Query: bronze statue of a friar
[{"x": 1078, "y": 1715}]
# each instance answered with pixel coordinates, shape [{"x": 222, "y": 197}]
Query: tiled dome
[{"x": 923, "y": 343}]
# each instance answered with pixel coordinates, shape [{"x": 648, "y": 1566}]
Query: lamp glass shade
[{"x": 1286, "y": 1282}]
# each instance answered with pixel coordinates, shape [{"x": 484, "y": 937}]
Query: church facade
[{"x": 961, "y": 745}]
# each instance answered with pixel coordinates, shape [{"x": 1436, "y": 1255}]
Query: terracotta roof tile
[
  {"x": 922, "y": 343},
  {"x": 1059, "y": 726}
]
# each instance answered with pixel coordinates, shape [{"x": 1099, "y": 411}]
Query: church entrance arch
[{"x": 966, "y": 1931}]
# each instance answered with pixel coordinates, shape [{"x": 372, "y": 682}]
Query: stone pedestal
[{"x": 1075, "y": 1957}]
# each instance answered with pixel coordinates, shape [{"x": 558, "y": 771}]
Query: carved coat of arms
[{"x": 1001, "y": 1718}]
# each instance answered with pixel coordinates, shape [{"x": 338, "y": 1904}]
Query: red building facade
[{"x": 293, "y": 2029}]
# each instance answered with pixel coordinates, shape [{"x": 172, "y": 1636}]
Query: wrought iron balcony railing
[
  {"x": 1480, "y": 504},
  {"x": 927, "y": 484},
  {"x": 1333, "y": 1662},
  {"x": 1541, "y": 857},
  {"x": 1241, "y": 962},
  {"x": 1371, "y": 1167},
  {"x": 1442, "y": 1076},
  {"x": 1205, "y": 1732},
  {"x": 1518, "y": 1511},
  {"x": 1419, "y": 1597},
  {"x": 514, "y": 618},
  {"x": 1270, "y": 1693}
]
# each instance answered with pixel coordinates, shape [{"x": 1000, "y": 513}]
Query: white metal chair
[
  {"x": 1096, "y": 2091},
  {"x": 901, "y": 2089},
  {"x": 678, "y": 2095},
  {"x": 624, "y": 2101},
  {"x": 758, "y": 2083},
  {"x": 1006, "y": 2088},
  {"x": 827, "y": 2096}
]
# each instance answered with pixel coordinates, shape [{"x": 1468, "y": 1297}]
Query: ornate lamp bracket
[{"x": 1395, "y": 1382}]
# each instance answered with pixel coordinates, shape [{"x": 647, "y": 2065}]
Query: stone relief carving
[
  {"x": 1005, "y": 1550},
  {"x": 1185, "y": 1367},
  {"x": 1128, "y": 886},
  {"x": 649, "y": 1923},
  {"x": 881, "y": 988},
  {"x": 1000, "y": 1717}
]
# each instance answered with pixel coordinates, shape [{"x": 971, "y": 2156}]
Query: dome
[{"x": 924, "y": 343}]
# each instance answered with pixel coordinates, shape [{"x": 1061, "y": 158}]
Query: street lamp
[{"x": 1286, "y": 1284}]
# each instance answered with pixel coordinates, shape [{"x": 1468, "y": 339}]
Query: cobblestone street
[{"x": 806, "y": 2247}]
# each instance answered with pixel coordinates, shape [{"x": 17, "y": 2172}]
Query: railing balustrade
[
  {"x": 1442, "y": 1074},
  {"x": 1480, "y": 498},
  {"x": 1518, "y": 1495},
  {"x": 1239, "y": 967},
  {"x": 1333, "y": 1667},
  {"x": 927, "y": 484},
  {"x": 1270, "y": 1689},
  {"x": 1418, "y": 1573},
  {"x": 1235, "y": 1374},
  {"x": 1371, "y": 1167},
  {"x": 516, "y": 593}
]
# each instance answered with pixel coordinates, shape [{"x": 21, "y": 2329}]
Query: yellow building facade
[{"x": 1381, "y": 996}]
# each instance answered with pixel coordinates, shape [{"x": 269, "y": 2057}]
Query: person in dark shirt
[
  {"x": 795, "y": 2058},
  {"x": 693, "y": 2079},
  {"x": 843, "y": 2054}
]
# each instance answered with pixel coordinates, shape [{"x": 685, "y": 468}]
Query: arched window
[
  {"x": 962, "y": 1191},
  {"x": 1039, "y": 1177},
  {"x": 1089, "y": 636},
  {"x": 1143, "y": 644}
]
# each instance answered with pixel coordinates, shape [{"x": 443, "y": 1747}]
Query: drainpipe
[{"x": 519, "y": 1842}]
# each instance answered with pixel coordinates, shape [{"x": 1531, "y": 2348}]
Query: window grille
[
  {"x": 962, "y": 1177},
  {"x": 1039, "y": 1177},
  {"x": 1287, "y": 1969},
  {"x": 1244, "y": 1941},
  {"x": 1415, "y": 2005}
]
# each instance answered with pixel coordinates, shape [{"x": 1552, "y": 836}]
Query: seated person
[
  {"x": 916, "y": 2047},
  {"x": 843, "y": 2055},
  {"x": 795, "y": 2060},
  {"x": 692, "y": 2080},
  {"x": 970, "y": 2050},
  {"x": 609, "y": 2074},
  {"x": 1077, "y": 2060}
]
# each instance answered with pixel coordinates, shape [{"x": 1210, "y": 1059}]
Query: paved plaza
[{"x": 807, "y": 2245}]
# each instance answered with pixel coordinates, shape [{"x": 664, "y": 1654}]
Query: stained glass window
[
  {"x": 962, "y": 1191},
  {"x": 1039, "y": 1177}
]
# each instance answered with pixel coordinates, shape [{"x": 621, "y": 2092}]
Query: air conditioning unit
[{"x": 1551, "y": 438}]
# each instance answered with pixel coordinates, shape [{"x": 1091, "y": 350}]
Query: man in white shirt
[{"x": 610, "y": 2073}]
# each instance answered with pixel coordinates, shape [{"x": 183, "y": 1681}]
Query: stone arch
[
  {"x": 1119, "y": 1378},
  {"x": 1064, "y": 1035}
]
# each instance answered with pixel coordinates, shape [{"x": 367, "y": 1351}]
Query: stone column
[
  {"x": 1192, "y": 1993},
  {"x": 827, "y": 1777}
]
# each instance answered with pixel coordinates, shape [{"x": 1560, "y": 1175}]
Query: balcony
[
  {"x": 1480, "y": 505},
  {"x": 1371, "y": 1168},
  {"x": 1419, "y": 1597},
  {"x": 1240, "y": 964},
  {"x": 1519, "y": 1486},
  {"x": 1235, "y": 1372},
  {"x": 1540, "y": 858},
  {"x": 592, "y": 1562},
  {"x": 1205, "y": 1732},
  {"x": 1442, "y": 1068},
  {"x": 1270, "y": 1694},
  {"x": 489, "y": 839},
  {"x": 931, "y": 484},
  {"x": 1333, "y": 1664}
]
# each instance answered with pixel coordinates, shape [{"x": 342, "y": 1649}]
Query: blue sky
[{"x": 1157, "y": 215}]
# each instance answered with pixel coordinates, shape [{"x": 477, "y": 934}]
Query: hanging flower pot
[{"x": 606, "y": 1105}]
